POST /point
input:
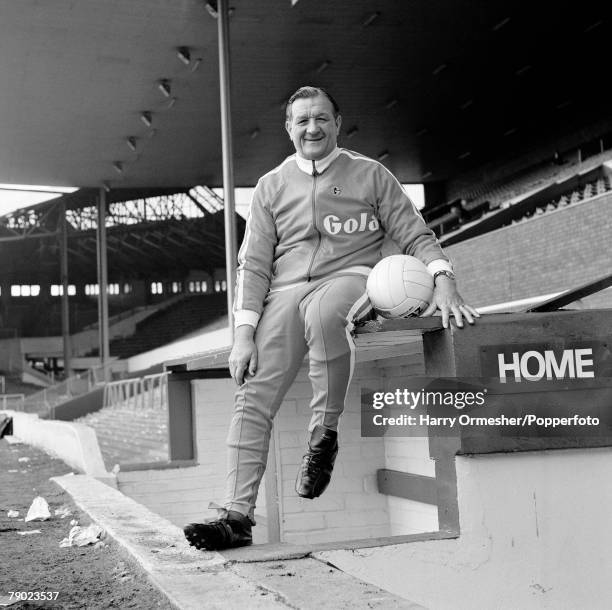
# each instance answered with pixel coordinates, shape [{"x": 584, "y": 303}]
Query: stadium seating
[
  {"x": 484, "y": 199},
  {"x": 179, "y": 319},
  {"x": 574, "y": 185},
  {"x": 128, "y": 435},
  {"x": 40, "y": 317}
]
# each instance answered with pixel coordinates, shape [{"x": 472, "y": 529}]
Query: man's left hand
[{"x": 449, "y": 302}]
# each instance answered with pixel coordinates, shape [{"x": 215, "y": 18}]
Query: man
[{"x": 315, "y": 229}]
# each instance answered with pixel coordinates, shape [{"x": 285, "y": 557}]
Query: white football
[{"x": 400, "y": 286}]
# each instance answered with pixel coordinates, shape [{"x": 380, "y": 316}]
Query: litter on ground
[
  {"x": 63, "y": 511},
  {"x": 82, "y": 536},
  {"x": 39, "y": 510}
]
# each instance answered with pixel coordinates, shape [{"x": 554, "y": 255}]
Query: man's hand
[
  {"x": 449, "y": 302},
  {"x": 243, "y": 356}
]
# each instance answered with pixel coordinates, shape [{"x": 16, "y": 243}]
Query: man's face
[{"x": 312, "y": 127}]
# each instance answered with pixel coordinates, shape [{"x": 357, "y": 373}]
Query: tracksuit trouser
[{"x": 315, "y": 318}]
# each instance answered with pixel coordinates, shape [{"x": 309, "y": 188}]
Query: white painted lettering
[
  {"x": 581, "y": 362},
  {"x": 534, "y": 365},
  {"x": 363, "y": 221},
  {"x": 332, "y": 224},
  {"x": 351, "y": 225},
  {"x": 513, "y": 367},
  {"x": 559, "y": 370},
  {"x": 525, "y": 366}
]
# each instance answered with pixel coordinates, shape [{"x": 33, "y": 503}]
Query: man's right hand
[{"x": 243, "y": 356}]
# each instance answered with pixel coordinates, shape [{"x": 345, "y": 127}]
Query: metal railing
[
  {"x": 46, "y": 400},
  {"x": 148, "y": 392}
]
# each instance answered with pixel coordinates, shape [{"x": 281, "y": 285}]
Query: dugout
[{"x": 394, "y": 488}]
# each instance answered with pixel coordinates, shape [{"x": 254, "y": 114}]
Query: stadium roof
[{"x": 433, "y": 87}]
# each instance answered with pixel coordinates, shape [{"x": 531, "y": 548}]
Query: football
[{"x": 400, "y": 286}]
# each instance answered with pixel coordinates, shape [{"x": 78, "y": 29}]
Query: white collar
[{"x": 307, "y": 166}]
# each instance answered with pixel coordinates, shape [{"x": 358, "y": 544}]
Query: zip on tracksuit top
[{"x": 314, "y": 219}]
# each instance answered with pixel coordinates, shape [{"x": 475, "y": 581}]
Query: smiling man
[{"x": 316, "y": 226}]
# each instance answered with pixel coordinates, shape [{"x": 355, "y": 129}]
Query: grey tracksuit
[{"x": 314, "y": 231}]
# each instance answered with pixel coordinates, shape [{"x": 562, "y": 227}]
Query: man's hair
[{"x": 306, "y": 92}]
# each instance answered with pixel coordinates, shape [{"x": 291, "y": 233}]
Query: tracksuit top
[{"x": 313, "y": 219}]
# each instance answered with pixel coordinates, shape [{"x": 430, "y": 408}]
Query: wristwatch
[{"x": 449, "y": 274}]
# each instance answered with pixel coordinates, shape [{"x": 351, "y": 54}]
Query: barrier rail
[
  {"x": 44, "y": 401},
  {"x": 148, "y": 392}
]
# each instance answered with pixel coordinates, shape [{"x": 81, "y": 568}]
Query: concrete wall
[
  {"x": 351, "y": 507},
  {"x": 75, "y": 444},
  {"x": 408, "y": 454},
  {"x": 534, "y": 534},
  {"x": 553, "y": 252}
]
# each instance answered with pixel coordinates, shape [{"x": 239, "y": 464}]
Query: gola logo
[
  {"x": 533, "y": 365},
  {"x": 364, "y": 222}
]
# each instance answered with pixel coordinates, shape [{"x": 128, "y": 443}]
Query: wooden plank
[
  {"x": 382, "y": 345},
  {"x": 212, "y": 359},
  {"x": 381, "y": 341},
  {"x": 180, "y": 420},
  {"x": 417, "y": 325},
  {"x": 407, "y": 485},
  {"x": 440, "y": 361}
]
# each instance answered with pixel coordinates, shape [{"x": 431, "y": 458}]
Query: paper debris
[
  {"x": 28, "y": 532},
  {"x": 74, "y": 522},
  {"x": 82, "y": 536},
  {"x": 12, "y": 514},
  {"x": 39, "y": 510},
  {"x": 23, "y": 459},
  {"x": 63, "y": 511},
  {"x": 11, "y": 471},
  {"x": 7, "y": 600},
  {"x": 116, "y": 469}
]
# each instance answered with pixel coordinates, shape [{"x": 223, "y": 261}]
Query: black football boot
[
  {"x": 228, "y": 532},
  {"x": 317, "y": 464}
]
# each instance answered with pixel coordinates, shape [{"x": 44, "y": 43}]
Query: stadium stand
[
  {"x": 482, "y": 199},
  {"x": 41, "y": 318},
  {"x": 164, "y": 326},
  {"x": 129, "y": 435},
  {"x": 579, "y": 185}
]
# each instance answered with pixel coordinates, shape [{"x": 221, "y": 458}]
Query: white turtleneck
[{"x": 316, "y": 166}]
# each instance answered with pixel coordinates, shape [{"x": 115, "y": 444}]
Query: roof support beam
[
  {"x": 64, "y": 279},
  {"x": 103, "y": 283},
  {"x": 228, "y": 157}
]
